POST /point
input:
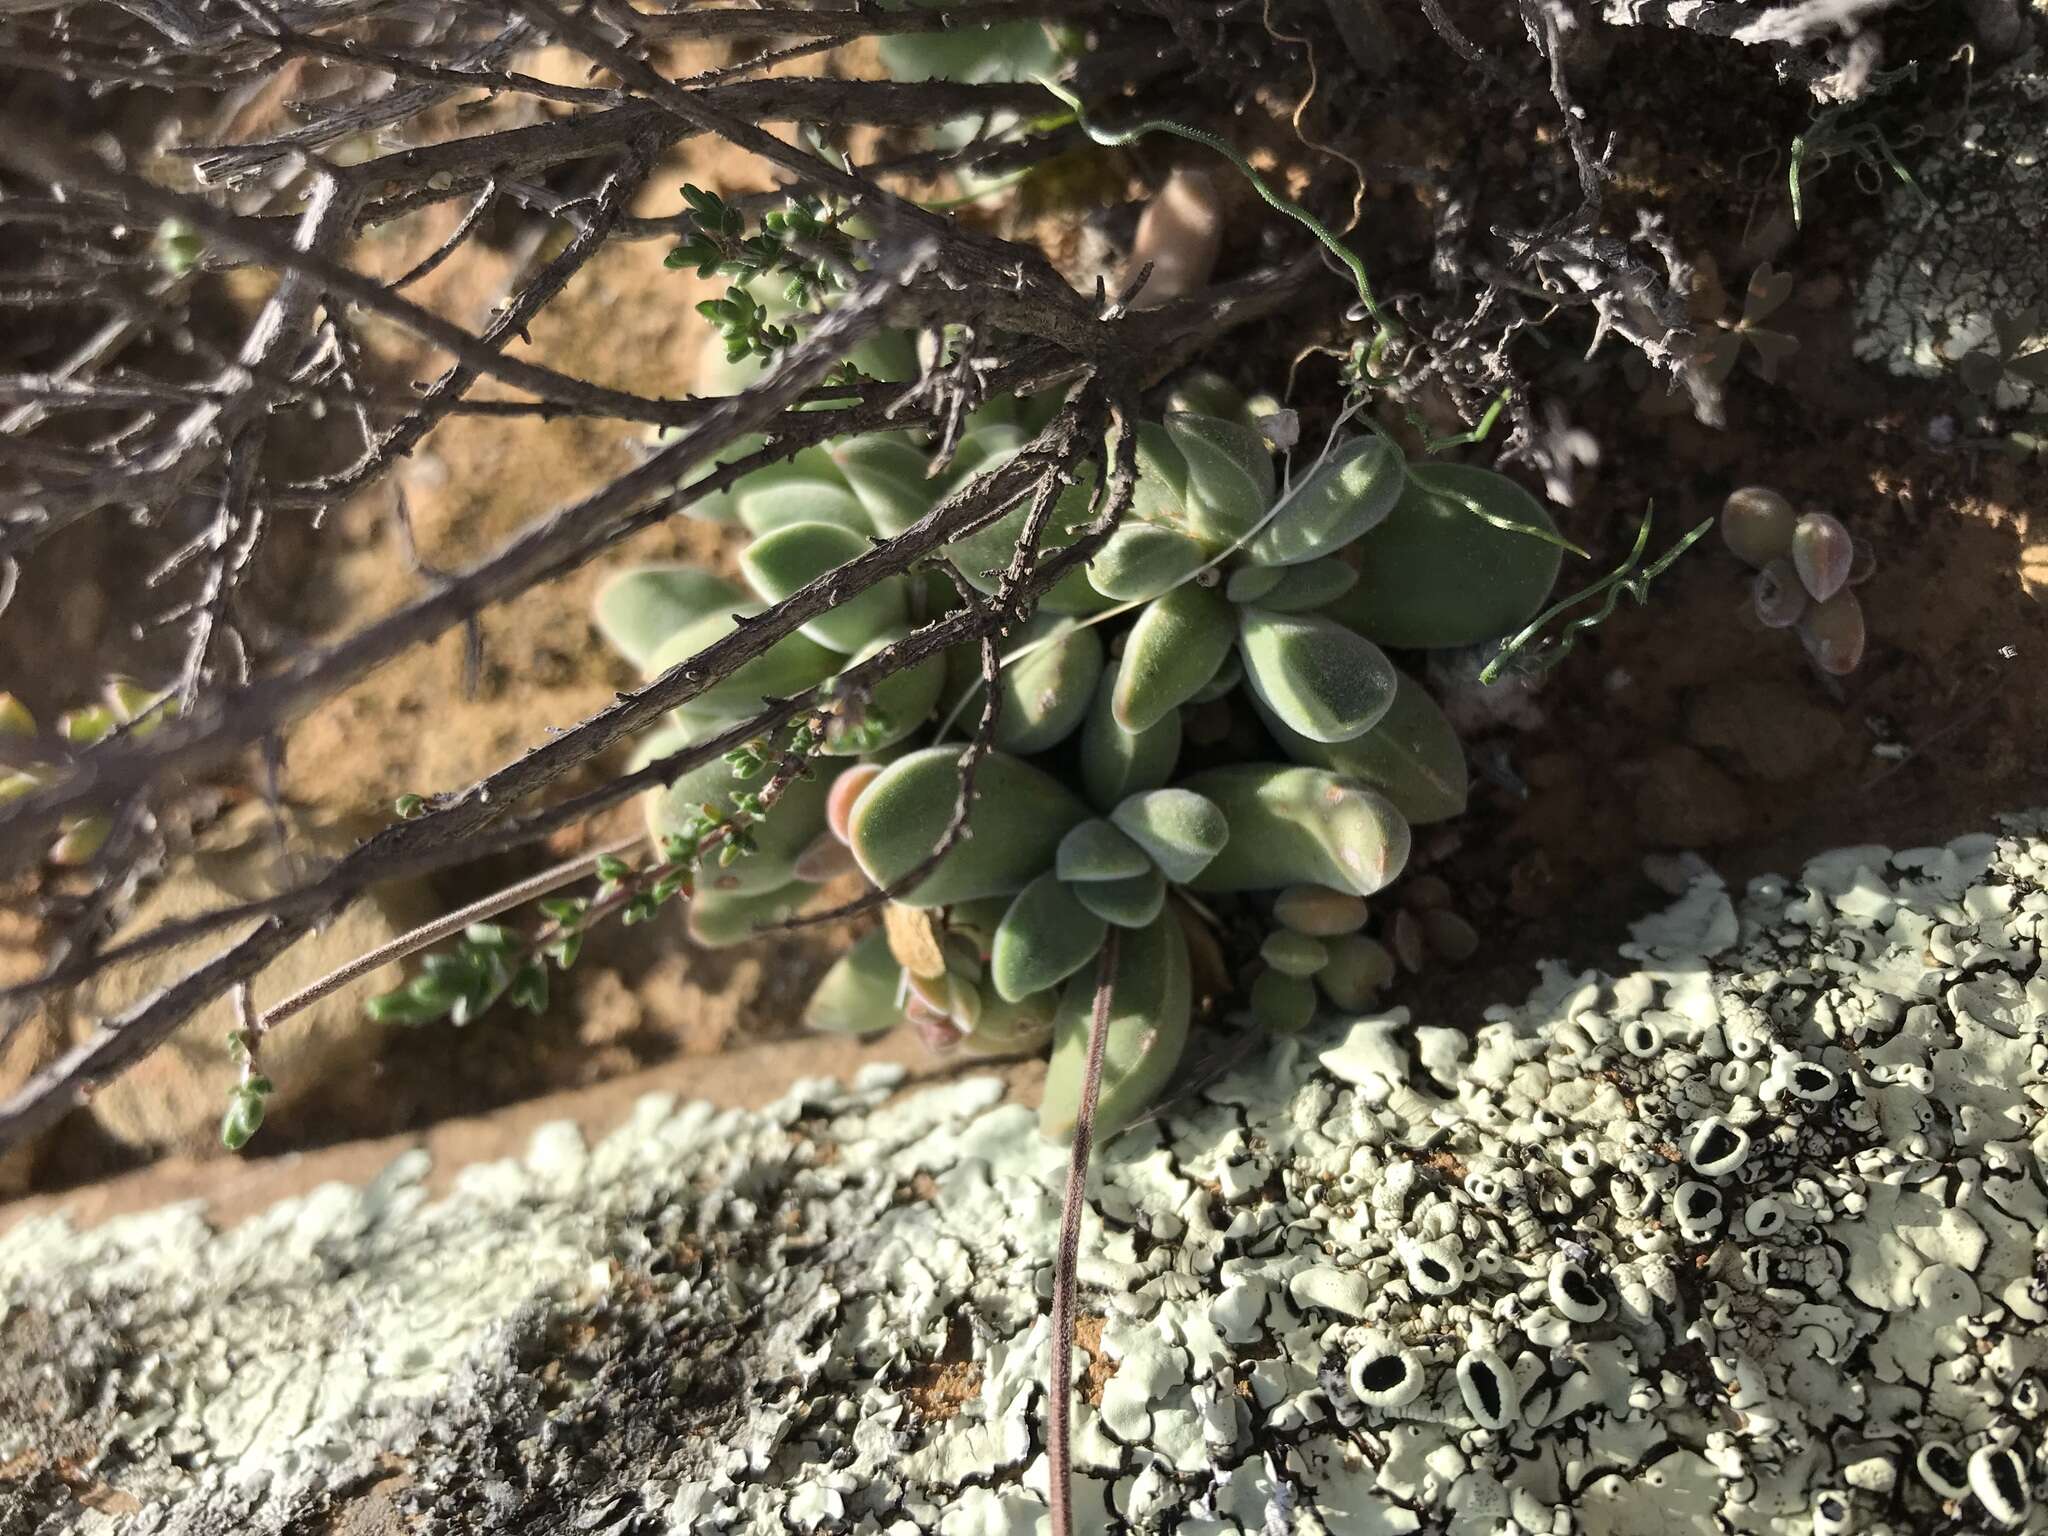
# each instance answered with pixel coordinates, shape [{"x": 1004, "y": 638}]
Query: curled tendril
[
  {"x": 1622, "y": 579},
  {"x": 1389, "y": 327}
]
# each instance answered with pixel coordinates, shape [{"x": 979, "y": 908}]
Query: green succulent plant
[
  {"x": 1222, "y": 589},
  {"x": 126, "y": 706},
  {"x": 972, "y": 55}
]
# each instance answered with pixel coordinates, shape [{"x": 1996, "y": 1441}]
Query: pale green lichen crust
[
  {"x": 1750, "y": 1238},
  {"x": 1963, "y": 248}
]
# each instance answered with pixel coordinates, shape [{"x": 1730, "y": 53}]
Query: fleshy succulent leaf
[
  {"x": 800, "y": 492},
  {"x": 1019, "y": 815},
  {"x": 1128, "y": 903},
  {"x": 1833, "y": 633},
  {"x": 1006, "y": 1027},
  {"x": 887, "y": 475},
  {"x": 857, "y": 996},
  {"x": 1357, "y": 969},
  {"x": 1160, "y": 496},
  {"x": 796, "y": 554},
  {"x": 905, "y": 699},
  {"x": 1207, "y": 393},
  {"x": 84, "y": 726},
  {"x": 1116, "y": 762},
  {"x": 1149, "y": 1003},
  {"x": 1230, "y": 474},
  {"x": 719, "y": 919},
  {"x": 1328, "y": 682},
  {"x": 1294, "y": 954},
  {"x": 1097, "y": 850},
  {"x": 1044, "y": 938},
  {"x": 1317, "y": 912},
  {"x": 779, "y": 837},
  {"x": 991, "y": 440},
  {"x": 1308, "y": 586},
  {"x": 1282, "y": 1004},
  {"x": 971, "y": 53},
  {"x": 1757, "y": 524},
  {"x": 1046, "y": 693},
  {"x": 1346, "y": 496},
  {"x": 1250, "y": 583},
  {"x": 1412, "y": 755},
  {"x": 1300, "y": 826},
  {"x": 1822, "y": 553},
  {"x": 1174, "y": 648},
  {"x": 1179, "y": 829},
  {"x": 982, "y": 556},
  {"x": 1227, "y": 677},
  {"x": 1142, "y": 560},
  {"x": 791, "y": 665},
  {"x": 1436, "y": 574},
  {"x": 80, "y": 840}
]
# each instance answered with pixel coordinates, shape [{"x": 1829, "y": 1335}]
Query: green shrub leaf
[
  {"x": 797, "y": 816},
  {"x": 905, "y": 698}
]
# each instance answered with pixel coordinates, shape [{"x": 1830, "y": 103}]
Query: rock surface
[
  {"x": 1963, "y": 248},
  {"x": 1748, "y": 1238}
]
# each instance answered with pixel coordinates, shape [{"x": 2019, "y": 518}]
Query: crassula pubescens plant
[{"x": 1234, "y": 867}]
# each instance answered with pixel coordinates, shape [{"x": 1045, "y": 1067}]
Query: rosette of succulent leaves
[{"x": 1201, "y": 741}]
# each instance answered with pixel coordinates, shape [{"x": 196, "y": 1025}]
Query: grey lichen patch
[
  {"x": 1753, "y": 1237},
  {"x": 1964, "y": 250}
]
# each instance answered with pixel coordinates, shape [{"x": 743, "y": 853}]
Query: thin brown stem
[{"x": 427, "y": 935}]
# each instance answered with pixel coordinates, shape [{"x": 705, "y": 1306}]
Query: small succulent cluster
[
  {"x": 1806, "y": 567},
  {"x": 1723, "y": 335},
  {"x": 1721, "y": 346},
  {"x": 125, "y": 705},
  {"x": 2006, "y": 380},
  {"x": 1200, "y": 746}
]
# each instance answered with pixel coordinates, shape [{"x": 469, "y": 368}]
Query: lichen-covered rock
[
  {"x": 1967, "y": 253},
  {"x": 1752, "y": 1238}
]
